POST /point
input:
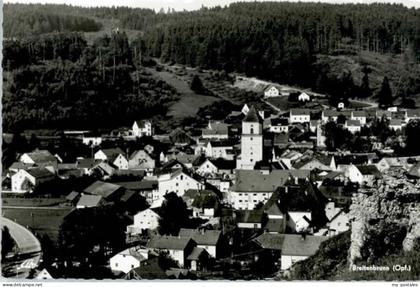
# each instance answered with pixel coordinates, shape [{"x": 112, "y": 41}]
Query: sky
[{"x": 189, "y": 4}]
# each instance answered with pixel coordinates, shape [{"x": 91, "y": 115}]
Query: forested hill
[{"x": 279, "y": 40}]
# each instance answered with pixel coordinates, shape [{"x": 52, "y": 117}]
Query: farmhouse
[{"x": 142, "y": 128}]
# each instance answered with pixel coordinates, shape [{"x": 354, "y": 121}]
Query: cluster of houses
[{"x": 262, "y": 173}]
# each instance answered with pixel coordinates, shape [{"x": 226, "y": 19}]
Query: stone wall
[{"x": 393, "y": 199}]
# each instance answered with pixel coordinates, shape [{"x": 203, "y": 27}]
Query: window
[
  {"x": 182, "y": 177},
  {"x": 250, "y": 138},
  {"x": 240, "y": 200},
  {"x": 132, "y": 265},
  {"x": 252, "y": 130},
  {"x": 116, "y": 264},
  {"x": 176, "y": 184}
]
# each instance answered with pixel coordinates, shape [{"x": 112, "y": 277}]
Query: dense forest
[
  {"x": 32, "y": 20},
  {"x": 58, "y": 81},
  {"x": 289, "y": 43}
]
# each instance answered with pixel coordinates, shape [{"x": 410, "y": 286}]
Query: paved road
[{"x": 29, "y": 250}]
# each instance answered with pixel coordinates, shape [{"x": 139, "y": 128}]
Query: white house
[
  {"x": 351, "y": 172},
  {"x": 114, "y": 156},
  {"x": 396, "y": 124},
  {"x": 304, "y": 97},
  {"x": 338, "y": 220},
  {"x": 359, "y": 116},
  {"x": 178, "y": 182},
  {"x": 299, "y": 221},
  {"x": 146, "y": 219},
  {"x": 271, "y": 92},
  {"x": 141, "y": 160},
  {"x": 128, "y": 259},
  {"x": 300, "y": 116},
  {"x": 296, "y": 248},
  {"x": 279, "y": 125},
  {"x": 353, "y": 126},
  {"x": 26, "y": 180},
  {"x": 340, "y": 105},
  {"x": 92, "y": 140},
  {"x": 217, "y": 149},
  {"x": 142, "y": 128}
]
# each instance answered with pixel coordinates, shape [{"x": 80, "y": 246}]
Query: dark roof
[
  {"x": 127, "y": 195},
  {"x": 168, "y": 242},
  {"x": 201, "y": 237},
  {"x": 141, "y": 123},
  {"x": 294, "y": 244},
  {"x": 101, "y": 188},
  {"x": 274, "y": 225},
  {"x": 179, "y": 136},
  {"x": 39, "y": 173},
  {"x": 222, "y": 163},
  {"x": 369, "y": 170},
  {"x": 303, "y": 112},
  {"x": 86, "y": 163},
  {"x": 222, "y": 143},
  {"x": 138, "y": 184},
  {"x": 279, "y": 122},
  {"x": 249, "y": 216},
  {"x": 148, "y": 269},
  {"x": 252, "y": 116},
  {"x": 270, "y": 241},
  {"x": 255, "y": 181},
  {"x": 271, "y": 207},
  {"x": 196, "y": 253}
]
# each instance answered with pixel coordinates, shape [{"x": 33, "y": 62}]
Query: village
[{"x": 259, "y": 189}]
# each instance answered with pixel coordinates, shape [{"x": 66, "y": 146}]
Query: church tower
[{"x": 251, "y": 140}]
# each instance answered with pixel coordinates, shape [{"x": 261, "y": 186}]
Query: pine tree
[{"x": 385, "y": 98}]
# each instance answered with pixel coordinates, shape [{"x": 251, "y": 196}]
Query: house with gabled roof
[
  {"x": 338, "y": 219},
  {"x": 144, "y": 220},
  {"x": 299, "y": 116},
  {"x": 107, "y": 190},
  {"x": 353, "y": 126},
  {"x": 128, "y": 259},
  {"x": 220, "y": 149},
  {"x": 142, "y": 128},
  {"x": 178, "y": 181},
  {"x": 26, "y": 180},
  {"x": 39, "y": 158},
  {"x": 254, "y": 186},
  {"x": 271, "y": 92},
  {"x": 141, "y": 159},
  {"x": 216, "y": 166},
  {"x": 297, "y": 247},
  {"x": 250, "y": 219},
  {"x": 210, "y": 240},
  {"x": 148, "y": 270},
  {"x": 317, "y": 161},
  {"x": 216, "y": 130},
  {"x": 178, "y": 248},
  {"x": 359, "y": 116},
  {"x": 114, "y": 156}
]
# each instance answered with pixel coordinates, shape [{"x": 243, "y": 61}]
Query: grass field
[
  {"x": 189, "y": 102},
  {"x": 40, "y": 221},
  {"x": 31, "y": 202}
]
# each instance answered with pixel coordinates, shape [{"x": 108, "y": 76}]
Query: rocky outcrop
[{"x": 393, "y": 199}]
